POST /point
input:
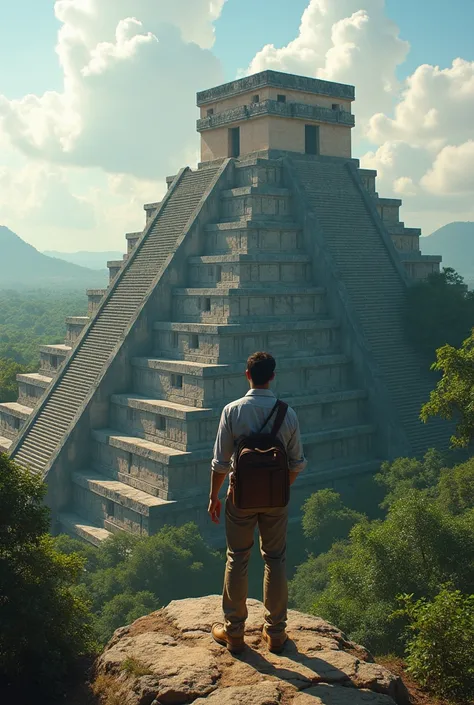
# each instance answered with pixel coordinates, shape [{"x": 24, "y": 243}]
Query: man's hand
[{"x": 214, "y": 509}]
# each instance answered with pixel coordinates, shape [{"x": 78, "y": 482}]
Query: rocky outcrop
[{"x": 169, "y": 658}]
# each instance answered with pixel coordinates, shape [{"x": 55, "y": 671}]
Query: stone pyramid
[{"x": 285, "y": 246}]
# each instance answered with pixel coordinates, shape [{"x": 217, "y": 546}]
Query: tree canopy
[
  {"x": 425, "y": 540},
  {"x": 128, "y": 576},
  {"x": 440, "y": 311},
  {"x": 453, "y": 397},
  {"x": 45, "y": 627}
]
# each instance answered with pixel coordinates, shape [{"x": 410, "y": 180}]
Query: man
[{"x": 239, "y": 419}]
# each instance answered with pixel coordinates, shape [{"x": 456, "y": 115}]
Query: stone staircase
[
  {"x": 107, "y": 329},
  {"x": 374, "y": 279},
  {"x": 139, "y": 458}
]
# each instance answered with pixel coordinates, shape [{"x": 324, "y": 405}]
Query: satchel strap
[
  {"x": 270, "y": 415},
  {"x": 280, "y": 417}
]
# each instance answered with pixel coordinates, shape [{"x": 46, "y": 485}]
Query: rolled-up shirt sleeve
[
  {"x": 296, "y": 458},
  {"x": 224, "y": 446}
]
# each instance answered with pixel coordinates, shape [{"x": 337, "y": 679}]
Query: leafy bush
[
  {"x": 45, "y": 627},
  {"x": 8, "y": 384},
  {"x": 123, "y": 609},
  {"x": 419, "y": 546},
  {"x": 452, "y": 398},
  {"x": 404, "y": 474},
  {"x": 326, "y": 519},
  {"x": 312, "y": 577},
  {"x": 128, "y": 576},
  {"x": 439, "y": 647},
  {"x": 456, "y": 488}
]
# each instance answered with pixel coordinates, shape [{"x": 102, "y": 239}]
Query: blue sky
[{"x": 437, "y": 31}]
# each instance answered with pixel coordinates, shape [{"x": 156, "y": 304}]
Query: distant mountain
[
  {"x": 455, "y": 242},
  {"x": 92, "y": 260},
  {"x": 23, "y": 267}
]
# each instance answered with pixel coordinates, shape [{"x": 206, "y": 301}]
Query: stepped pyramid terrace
[{"x": 278, "y": 241}]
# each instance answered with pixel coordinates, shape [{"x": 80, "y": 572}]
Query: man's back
[{"x": 246, "y": 416}]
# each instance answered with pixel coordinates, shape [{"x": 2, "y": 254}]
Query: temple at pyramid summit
[{"x": 278, "y": 241}]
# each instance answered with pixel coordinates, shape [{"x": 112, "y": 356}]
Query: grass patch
[{"x": 133, "y": 667}]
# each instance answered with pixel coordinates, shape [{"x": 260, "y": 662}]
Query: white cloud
[
  {"x": 131, "y": 71},
  {"x": 404, "y": 186},
  {"x": 421, "y": 129},
  {"x": 436, "y": 108},
  {"x": 69, "y": 208},
  {"x": 349, "y": 41},
  {"x": 40, "y": 194},
  {"x": 425, "y": 154},
  {"x": 452, "y": 171},
  {"x": 96, "y": 20}
]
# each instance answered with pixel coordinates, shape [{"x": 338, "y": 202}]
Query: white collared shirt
[{"x": 246, "y": 416}]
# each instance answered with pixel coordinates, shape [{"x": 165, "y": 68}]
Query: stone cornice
[
  {"x": 273, "y": 107},
  {"x": 276, "y": 79},
  {"x": 395, "y": 202}
]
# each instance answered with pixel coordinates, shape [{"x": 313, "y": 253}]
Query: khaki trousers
[{"x": 240, "y": 528}]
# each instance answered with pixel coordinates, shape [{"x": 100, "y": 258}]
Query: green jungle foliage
[
  {"x": 29, "y": 319},
  {"x": 128, "y": 577},
  {"x": 8, "y": 384},
  {"x": 45, "y": 626},
  {"x": 424, "y": 542},
  {"x": 453, "y": 395},
  {"x": 439, "y": 643},
  {"x": 440, "y": 311},
  {"x": 32, "y": 318}
]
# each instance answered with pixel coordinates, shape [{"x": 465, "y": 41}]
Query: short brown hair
[{"x": 261, "y": 367}]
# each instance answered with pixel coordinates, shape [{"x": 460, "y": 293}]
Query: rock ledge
[{"x": 168, "y": 658}]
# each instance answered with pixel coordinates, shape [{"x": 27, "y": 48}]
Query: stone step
[
  {"x": 259, "y": 172},
  {"x": 31, "y": 388},
  {"x": 12, "y": 418},
  {"x": 132, "y": 239},
  {"x": 189, "y": 428},
  {"x": 420, "y": 266},
  {"x": 81, "y": 528},
  {"x": 400, "y": 229},
  {"x": 207, "y": 385},
  {"x": 150, "y": 210},
  {"x": 95, "y": 297},
  {"x": 227, "y": 305},
  {"x": 353, "y": 444},
  {"x": 114, "y": 267},
  {"x": 328, "y": 473},
  {"x": 256, "y": 203},
  {"x": 106, "y": 499},
  {"x": 174, "y": 425},
  {"x": 172, "y": 475},
  {"x": 5, "y": 444},
  {"x": 247, "y": 237},
  {"x": 219, "y": 343},
  {"x": 74, "y": 327},
  {"x": 164, "y": 472},
  {"x": 256, "y": 190},
  {"x": 52, "y": 357},
  {"x": 250, "y": 270}
]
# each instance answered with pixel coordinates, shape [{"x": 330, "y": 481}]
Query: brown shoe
[
  {"x": 275, "y": 642},
  {"x": 234, "y": 644}
]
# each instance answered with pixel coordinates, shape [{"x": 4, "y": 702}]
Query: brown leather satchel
[{"x": 261, "y": 477}]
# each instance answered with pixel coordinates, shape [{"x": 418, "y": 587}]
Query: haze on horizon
[{"x": 89, "y": 132}]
